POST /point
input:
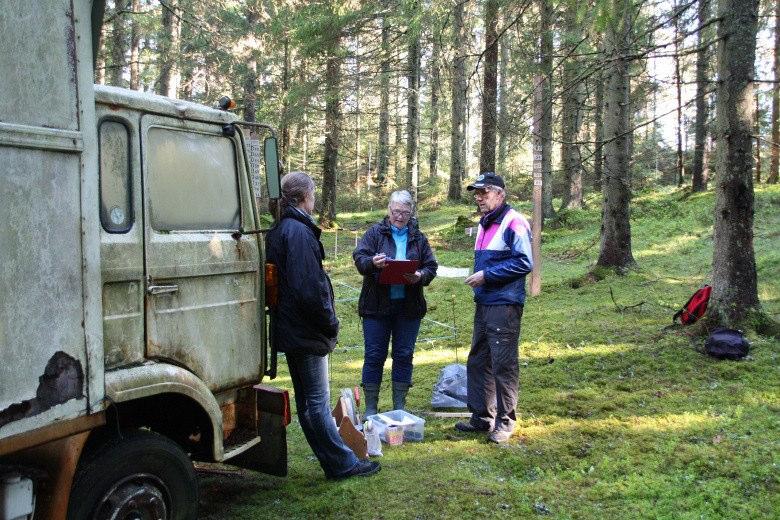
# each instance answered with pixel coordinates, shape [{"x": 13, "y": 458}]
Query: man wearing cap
[{"x": 502, "y": 258}]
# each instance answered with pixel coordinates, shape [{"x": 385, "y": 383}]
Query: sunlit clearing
[
  {"x": 638, "y": 424},
  {"x": 536, "y": 350},
  {"x": 667, "y": 247}
]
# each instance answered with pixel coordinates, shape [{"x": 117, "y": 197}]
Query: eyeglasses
[
  {"x": 487, "y": 189},
  {"x": 400, "y": 213}
]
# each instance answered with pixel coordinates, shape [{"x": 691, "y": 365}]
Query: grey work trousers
[{"x": 492, "y": 367}]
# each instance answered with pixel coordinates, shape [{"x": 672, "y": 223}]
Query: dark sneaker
[
  {"x": 499, "y": 436},
  {"x": 467, "y": 427},
  {"x": 363, "y": 468}
]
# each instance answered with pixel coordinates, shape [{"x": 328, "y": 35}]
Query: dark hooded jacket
[
  {"x": 305, "y": 321},
  {"x": 375, "y": 297}
]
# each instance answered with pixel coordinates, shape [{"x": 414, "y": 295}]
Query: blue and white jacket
[{"x": 503, "y": 251}]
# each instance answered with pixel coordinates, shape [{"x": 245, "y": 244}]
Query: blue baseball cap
[{"x": 486, "y": 179}]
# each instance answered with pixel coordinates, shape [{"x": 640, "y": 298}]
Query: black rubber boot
[
  {"x": 399, "y": 395},
  {"x": 371, "y": 397}
]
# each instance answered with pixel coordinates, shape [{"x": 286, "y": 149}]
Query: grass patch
[{"x": 618, "y": 418}]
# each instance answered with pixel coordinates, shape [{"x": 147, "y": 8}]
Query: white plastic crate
[{"x": 412, "y": 425}]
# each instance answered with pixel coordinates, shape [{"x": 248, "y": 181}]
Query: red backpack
[{"x": 695, "y": 307}]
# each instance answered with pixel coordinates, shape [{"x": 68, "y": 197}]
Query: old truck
[{"x": 132, "y": 297}]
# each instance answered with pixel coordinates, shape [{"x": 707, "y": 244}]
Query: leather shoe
[
  {"x": 467, "y": 427},
  {"x": 363, "y": 468}
]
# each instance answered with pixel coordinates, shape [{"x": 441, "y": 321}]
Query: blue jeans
[
  {"x": 309, "y": 374},
  {"x": 376, "y": 334}
]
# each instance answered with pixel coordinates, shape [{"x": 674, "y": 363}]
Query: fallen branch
[{"x": 621, "y": 308}]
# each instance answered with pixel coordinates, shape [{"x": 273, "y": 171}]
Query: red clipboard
[{"x": 394, "y": 271}]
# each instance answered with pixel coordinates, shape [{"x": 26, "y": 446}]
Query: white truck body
[{"x": 132, "y": 295}]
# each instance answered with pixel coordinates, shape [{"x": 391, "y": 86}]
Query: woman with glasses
[{"x": 392, "y": 310}]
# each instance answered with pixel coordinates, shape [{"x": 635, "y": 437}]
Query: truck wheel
[{"x": 138, "y": 476}]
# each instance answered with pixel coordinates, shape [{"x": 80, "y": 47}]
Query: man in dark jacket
[
  {"x": 395, "y": 309},
  {"x": 305, "y": 325},
  {"x": 502, "y": 258}
]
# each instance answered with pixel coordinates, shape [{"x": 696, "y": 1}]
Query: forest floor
[{"x": 619, "y": 416}]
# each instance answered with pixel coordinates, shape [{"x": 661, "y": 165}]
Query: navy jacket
[
  {"x": 305, "y": 320},
  {"x": 375, "y": 297},
  {"x": 503, "y": 251}
]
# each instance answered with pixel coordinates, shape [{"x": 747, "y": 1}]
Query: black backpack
[{"x": 727, "y": 344}]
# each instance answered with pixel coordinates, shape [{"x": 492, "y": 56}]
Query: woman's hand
[
  {"x": 379, "y": 260},
  {"x": 413, "y": 277}
]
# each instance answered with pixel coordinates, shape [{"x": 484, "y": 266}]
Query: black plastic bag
[{"x": 727, "y": 344}]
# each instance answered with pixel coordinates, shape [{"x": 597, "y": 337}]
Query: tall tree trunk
[
  {"x": 487, "y": 152},
  {"x": 250, "y": 78},
  {"x": 734, "y": 284},
  {"x": 100, "y": 59},
  {"x": 774, "y": 168},
  {"x": 546, "y": 70},
  {"x": 399, "y": 139},
  {"x": 458, "y": 102},
  {"x": 305, "y": 140},
  {"x": 284, "y": 130},
  {"x": 301, "y": 127},
  {"x": 678, "y": 85},
  {"x": 170, "y": 43},
  {"x": 757, "y": 138},
  {"x": 571, "y": 116},
  {"x": 615, "y": 250},
  {"x": 250, "y": 81},
  {"x": 502, "y": 126},
  {"x": 413, "y": 115},
  {"x": 118, "y": 44},
  {"x": 250, "y": 94},
  {"x": 383, "y": 149},
  {"x": 598, "y": 116},
  {"x": 699, "y": 182},
  {"x": 433, "y": 156},
  {"x": 135, "y": 47},
  {"x": 357, "y": 113},
  {"x": 332, "y": 134}
]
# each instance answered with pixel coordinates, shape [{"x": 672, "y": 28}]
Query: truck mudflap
[{"x": 267, "y": 452}]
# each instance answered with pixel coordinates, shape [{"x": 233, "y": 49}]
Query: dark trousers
[{"x": 492, "y": 367}]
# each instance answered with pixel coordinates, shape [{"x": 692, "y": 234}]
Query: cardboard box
[{"x": 349, "y": 433}]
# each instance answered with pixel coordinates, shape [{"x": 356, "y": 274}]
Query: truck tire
[{"x": 139, "y": 475}]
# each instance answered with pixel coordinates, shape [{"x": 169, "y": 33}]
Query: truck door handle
[{"x": 162, "y": 289}]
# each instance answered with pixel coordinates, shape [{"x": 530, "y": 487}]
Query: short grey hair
[
  {"x": 498, "y": 189},
  {"x": 401, "y": 197}
]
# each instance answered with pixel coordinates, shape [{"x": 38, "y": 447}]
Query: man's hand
[
  {"x": 379, "y": 260},
  {"x": 476, "y": 279},
  {"x": 413, "y": 277}
]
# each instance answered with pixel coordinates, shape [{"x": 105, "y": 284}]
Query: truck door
[{"x": 202, "y": 284}]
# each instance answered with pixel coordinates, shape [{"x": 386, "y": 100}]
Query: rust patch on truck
[{"x": 62, "y": 380}]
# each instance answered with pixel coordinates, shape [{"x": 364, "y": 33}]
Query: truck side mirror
[{"x": 272, "y": 169}]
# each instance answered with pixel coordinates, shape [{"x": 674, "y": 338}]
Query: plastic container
[
  {"x": 373, "y": 442},
  {"x": 412, "y": 426}
]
